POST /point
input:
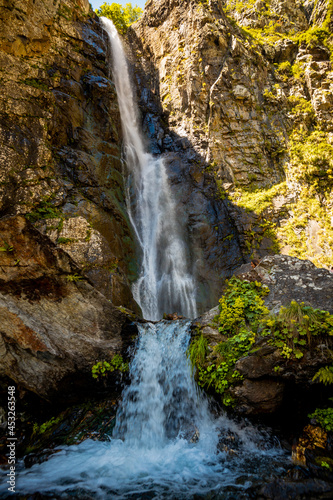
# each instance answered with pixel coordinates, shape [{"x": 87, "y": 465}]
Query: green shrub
[
  {"x": 122, "y": 17},
  {"x": 324, "y": 418},
  {"x": 102, "y": 368},
  {"x": 241, "y": 305}
]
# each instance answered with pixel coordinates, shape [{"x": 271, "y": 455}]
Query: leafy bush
[
  {"x": 102, "y": 368},
  {"x": 324, "y": 375},
  {"x": 122, "y": 17},
  {"x": 324, "y": 418},
  {"x": 241, "y": 304}
]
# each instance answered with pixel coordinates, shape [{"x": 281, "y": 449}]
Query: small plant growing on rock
[
  {"x": 6, "y": 247},
  {"x": 74, "y": 277},
  {"x": 324, "y": 375},
  {"x": 102, "y": 368},
  {"x": 198, "y": 350},
  {"x": 324, "y": 418}
]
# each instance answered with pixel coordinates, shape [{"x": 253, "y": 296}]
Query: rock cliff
[
  {"x": 60, "y": 138},
  {"x": 249, "y": 86}
]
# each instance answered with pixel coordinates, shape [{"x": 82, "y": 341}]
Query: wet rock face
[
  {"x": 53, "y": 324},
  {"x": 60, "y": 143}
]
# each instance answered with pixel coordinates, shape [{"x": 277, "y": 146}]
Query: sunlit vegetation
[{"x": 122, "y": 17}]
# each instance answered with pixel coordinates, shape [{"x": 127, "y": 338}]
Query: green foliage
[
  {"x": 259, "y": 200},
  {"x": 242, "y": 320},
  {"x": 294, "y": 327},
  {"x": 301, "y": 108},
  {"x": 324, "y": 375},
  {"x": 64, "y": 241},
  {"x": 122, "y": 17},
  {"x": 102, "y": 368},
  {"x": 312, "y": 158},
  {"x": 74, "y": 277},
  {"x": 32, "y": 82},
  {"x": 6, "y": 247},
  {"x": 324, "y": 418},
  {"x": 40, "y": 429},
  {"x": 241, "y": 307},
  {"x": 44, "y": 210},
  {"x": 297, "y": 70},
  {"x": 284, "y": 70},
  {"x": 198, "y": 350},
  {"x": 314, "y": 36},
  {"x": 241, "y": 304}
]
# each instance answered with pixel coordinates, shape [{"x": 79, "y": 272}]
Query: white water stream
[
  {"x": 165, "y": 284},
  {"x": 166, "y": 444}
]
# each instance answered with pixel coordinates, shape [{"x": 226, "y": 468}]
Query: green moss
[
  {"x": 243, "y": 320},
  {"x": 259, "y": 200},
  {"x": 32, "y": 82},
  {"x": 198, "y": 350},
  {"x": 46, "y": 426},
  {"x": 65, "y": 241}
]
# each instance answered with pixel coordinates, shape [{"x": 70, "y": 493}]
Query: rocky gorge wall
[
  {"x": 245, "y": 88},
  {"x": 236, "y": 96},
  {"x": 61, "y": 140}
]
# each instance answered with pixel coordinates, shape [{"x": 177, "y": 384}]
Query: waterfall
[
  {"x": 165, "y": 284},
  {"x": 166, "y": 444}
]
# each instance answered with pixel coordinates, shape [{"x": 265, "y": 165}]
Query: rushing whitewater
[
  {"x": 166, "y": 283},
  {"x": 166, "y": 444}
]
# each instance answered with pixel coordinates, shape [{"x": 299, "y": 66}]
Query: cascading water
[
  {"x": 166, "y": 444},
  {"x": 165, "y": 283}
]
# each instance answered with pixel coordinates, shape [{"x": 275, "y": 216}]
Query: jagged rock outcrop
[
  {"x": 60, "y": 138},
  {"x": 273, "y": 379},
  {"x": 54, "y": 325},
  {"x": 211, "y": 84},
  {"x": 245, "y": 89}
]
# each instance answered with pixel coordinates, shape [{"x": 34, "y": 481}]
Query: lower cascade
[{"x": 166, "y": 443}]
